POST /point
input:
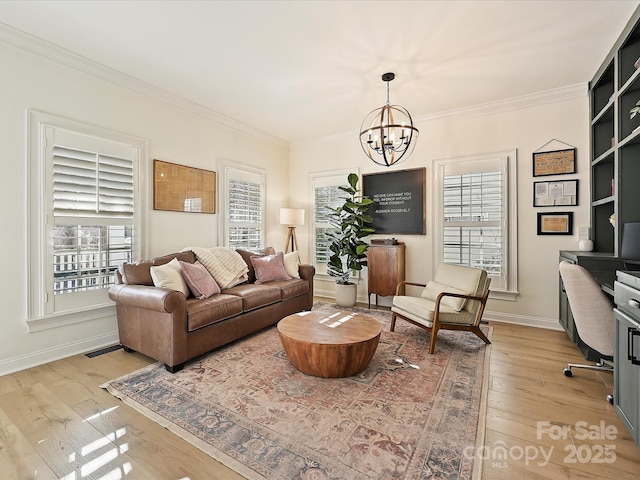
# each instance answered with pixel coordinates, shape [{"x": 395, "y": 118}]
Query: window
[
  {"x": 476, "y": 222},
  {"x": 243, "y": 210},
  {"x": 326, "y": 193},
  {"x": 83, "y": 215}
]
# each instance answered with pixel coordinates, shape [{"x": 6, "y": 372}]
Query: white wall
[
  {"x": 525, "y": 124},
  {"x": 29, "y": 81}
]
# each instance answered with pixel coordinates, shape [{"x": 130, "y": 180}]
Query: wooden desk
[{"x": 329, "y": 345}]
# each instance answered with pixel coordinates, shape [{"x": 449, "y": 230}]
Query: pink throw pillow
[
  {"x": 270, "y": 268},
  {"x": 199, "y": 280}
]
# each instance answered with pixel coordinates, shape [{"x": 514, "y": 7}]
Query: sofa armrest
[
  {"x": 306, "y": 272},
  {"x": 152, "y": 321},
  {"x": 150, "y": 298}
]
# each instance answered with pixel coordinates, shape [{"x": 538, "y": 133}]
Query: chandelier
[{"x": 387, "y": 134}]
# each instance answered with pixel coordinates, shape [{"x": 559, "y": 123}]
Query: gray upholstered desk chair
[{"x": 592, "y": 313}]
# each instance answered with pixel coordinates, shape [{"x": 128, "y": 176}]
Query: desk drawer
[{"x": 627, "y": 299}]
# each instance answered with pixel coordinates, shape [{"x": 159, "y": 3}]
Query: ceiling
[{"x": 301, "y": 70}]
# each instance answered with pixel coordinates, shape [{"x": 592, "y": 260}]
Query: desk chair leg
[{"x": 601, "y": 366}]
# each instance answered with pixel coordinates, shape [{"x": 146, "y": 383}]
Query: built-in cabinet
[
  {"x": 626, "y": 374},
  {"x": 615, "y": 191},
  {"x": 385, "y": 265},
  {"x": 615, "y": 141}
]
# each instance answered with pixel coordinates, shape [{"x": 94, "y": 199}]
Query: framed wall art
[
  {"x": 179, "y": 188},
  {"x": 557, "y": 162},
  {"x": 557, "y": 223},
  {"x": 551, "y": 194},
  {"x": 398, "y": 201}
]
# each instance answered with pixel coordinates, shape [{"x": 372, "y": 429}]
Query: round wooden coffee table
[{"x": 329, "y": 344}]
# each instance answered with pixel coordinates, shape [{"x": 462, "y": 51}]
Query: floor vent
[{"x": 102, "y": 351}]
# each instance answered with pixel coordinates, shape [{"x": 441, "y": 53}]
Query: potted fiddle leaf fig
[{"x": 349, "y": 224}]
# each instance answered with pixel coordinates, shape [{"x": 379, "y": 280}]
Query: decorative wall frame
[
  {"x": 179, "y": 188},
  {"x": 555, "y": 193},
  {"x": 556, "y": 162},
  {"x": 398, "y": 201},
  {"x": 556, "y": 223}
]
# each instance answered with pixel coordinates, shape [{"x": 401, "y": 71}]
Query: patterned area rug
[{"x": 409, "y": 415}]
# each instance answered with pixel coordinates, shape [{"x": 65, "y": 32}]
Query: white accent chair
[
  {"x": 453, "y": 300},
  {"x": 592, "y": 313}
]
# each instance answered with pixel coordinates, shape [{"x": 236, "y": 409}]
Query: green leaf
[{"x": 353, "y": 180}]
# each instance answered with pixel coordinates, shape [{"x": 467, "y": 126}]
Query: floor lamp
[{"x": 291, "y": 217}]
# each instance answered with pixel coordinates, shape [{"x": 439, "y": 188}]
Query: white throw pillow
[
  {"x": 433, "y": 289},
  {"x": 291, "y": 262},
  {"x": 169, "y": 275}
]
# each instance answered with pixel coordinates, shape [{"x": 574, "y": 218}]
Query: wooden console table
[{"x": 385, "y": 265}]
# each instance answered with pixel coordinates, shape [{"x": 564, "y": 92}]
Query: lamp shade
[{"x": 292, "y": 216}]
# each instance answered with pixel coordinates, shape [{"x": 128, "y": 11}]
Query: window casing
[
  {"x": 243, "y": 208},
  {"x": 476, "y": 223},
  {"x": 83, "y": 214},
  {"x": 325, "y": 191}
]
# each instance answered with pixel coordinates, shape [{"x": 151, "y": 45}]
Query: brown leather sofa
[{"x": 167, "y": 326}]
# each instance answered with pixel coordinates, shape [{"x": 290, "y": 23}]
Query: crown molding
[
  {"x": 37, "y": 46},
  {"x": 509, "y": 104},
  {"x": 569, "y": 92}
]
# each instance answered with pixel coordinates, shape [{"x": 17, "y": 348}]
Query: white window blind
[
  {"x": 324, "y": 192},
  {"x": 88, "y": 184},
  {"x": 84, "y": 211},
  {"x": 93, "y": 210},
  {"x": 245, "y": 214},
  {"x": 473, "y": 219},
  {"x": 327, "y": 196},
  {"x": 242, "y": 218},
  {"x": 476, "y": 220}
]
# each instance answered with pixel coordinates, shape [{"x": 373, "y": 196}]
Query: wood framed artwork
[
  {"x": 557, "y": 223},
  {"x": 179, "y": 188},
  {"x": 551, "y": 194},
  {"x": 557, "y": 162},
  {"x": 398, "y": 201}
]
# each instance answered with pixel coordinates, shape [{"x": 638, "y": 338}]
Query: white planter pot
[{"x": 346, "y": 294}]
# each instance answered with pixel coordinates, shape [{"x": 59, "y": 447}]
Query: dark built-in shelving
[{"x": 615, "y": 141}]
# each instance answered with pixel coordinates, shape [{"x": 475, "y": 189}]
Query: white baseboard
[
  {"x": 41, "y": 357},
  {"x": 525, "y": 320},
  {"x": 515, "y": 319}
]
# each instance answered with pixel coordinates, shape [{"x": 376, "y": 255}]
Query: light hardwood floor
[{"x": 56, "y": 422}]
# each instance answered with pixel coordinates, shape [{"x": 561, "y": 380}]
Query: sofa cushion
[
  {"x": 433, "y": 289},
  {"x": 169, "y": 276},
  {"x": 199, "y": 280},
  {"x": 254, "y": 296},
  {"x": 421, "y": 310},
  {"x": 246, "y": 256},
  {"x": 201, "y": 313},
  {"x": 269, "y": 268},
  {"x": 291, "y": 288},
  {"x": 139, "y": 273},
  {"x": 291, "y": 263}
]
